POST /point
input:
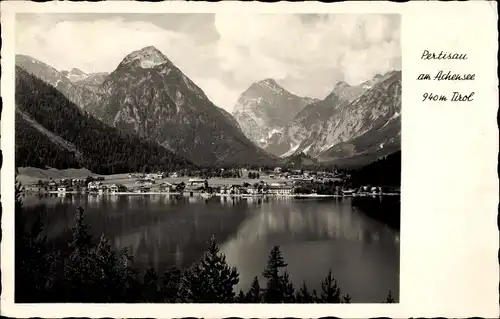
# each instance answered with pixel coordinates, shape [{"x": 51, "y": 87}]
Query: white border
[{"x": 449, "y": 240}]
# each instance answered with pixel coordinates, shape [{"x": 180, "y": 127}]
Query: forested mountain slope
[{"x": 104, "y": 149}]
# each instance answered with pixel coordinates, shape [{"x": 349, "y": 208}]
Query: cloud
[
  {"x": 225, "y": 53},
  {"x": 283, "y": 46},
  {"x": 92, "y": 46}
]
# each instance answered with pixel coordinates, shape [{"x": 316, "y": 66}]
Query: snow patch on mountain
[
  {"x": 291, "y": 151},
  {"x": 395, "y": 116},
  {"x": 306, "y": 150}
]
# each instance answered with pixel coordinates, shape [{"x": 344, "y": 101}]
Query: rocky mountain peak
[
  {"x": 264, "y": 109},
  {"x": 147, "y": 57},
  {"x": 269, "y": 81},
  {"x": 270, "y": 84},
  {"x": 341, "y": 84},
  {"x": 77, "y": 71}
]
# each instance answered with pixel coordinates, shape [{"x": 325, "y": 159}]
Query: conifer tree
[
  {"x": 241, "y": 298},
  {"x": 274, "y": 291},
  {"x": 346, "y": 299},
  {"x": 303, "y": 294},
  {"x": 315, "y": 296},
  {"x": 330, "y": 291},
  {"x": 171, "y": 288},
  {"x": 288, "y": 289},
  {"x": 105, "y": 261},
  {"x": 390, "y": 299},
  {"x": 81, "y": 239},
  {"x": 128, "y": 274},
  {"x": 212, "y": 280},
  {"x": 254, "y": 295},
  {"x": 80, "y": 272},
  {"x": 150, "y": 287}
]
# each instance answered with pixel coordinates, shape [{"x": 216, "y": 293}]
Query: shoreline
[{"x": 298, "y": 196}]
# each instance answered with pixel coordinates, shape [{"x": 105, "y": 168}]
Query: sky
[{"x": 223, "y": 53}]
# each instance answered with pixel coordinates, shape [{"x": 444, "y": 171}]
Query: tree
[
  {"x": 111, "y": 277},
  {"x": 80, "y": 271},
  {"x": 150, "y": 288},
  {"x": 303, "y": 295},
  {"x": 81, "y": 239},
  {"x": 390, "y": 299},
  {"x": 274, "y": 291},
  {"x": 241, "y": 297},
  {"x": 171, "y": 288},
  {"x": 212, "y": 280},
  {"x": 288, "y": 289},
  {"x": 330, "y": 291},
  {"x": 346, "y": 299},
  {"x": 254, "y": 295}
]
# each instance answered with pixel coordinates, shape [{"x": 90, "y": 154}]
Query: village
[{"x": 243, "y": 183}]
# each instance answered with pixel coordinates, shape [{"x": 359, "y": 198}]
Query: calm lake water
[{"x": 315, "y": 235}]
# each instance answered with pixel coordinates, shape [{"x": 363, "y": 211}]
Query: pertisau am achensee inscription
[{"x": 446, "y": 75}]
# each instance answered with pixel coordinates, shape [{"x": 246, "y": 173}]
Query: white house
[
  {"x": 196, "y": 181},
  {"x": 280, "y": 189},
  {"x": 253, "y": 190},
  {"x": 160, "y": 175},
  {"x": 93, "y": 186},
  {"x": 61, "y": 189}
]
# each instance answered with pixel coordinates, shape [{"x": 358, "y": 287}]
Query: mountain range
[
  {"x": 353, "y": 121},
  {"x": 149, "y": 100},
  {"x": 148, "y": 96}
]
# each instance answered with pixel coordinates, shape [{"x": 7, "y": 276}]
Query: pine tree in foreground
[
  {"x": 390, "y": 299},
  {"x": 304, "y": 295},
  {"x": 171, "y": 286},
  {"x": 254, "y": 295},
  {"x": 346, "y": 299},
  {"x": 212, "y": 280},
  {"x": 241, "y": 298},
  {"x": 330, "y": 291},
  {"x": 288, "y": 289},
  {"x": 274, "y": 292}
]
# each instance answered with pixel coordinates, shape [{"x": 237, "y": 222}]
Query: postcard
[{"x": 237, "y": 159}]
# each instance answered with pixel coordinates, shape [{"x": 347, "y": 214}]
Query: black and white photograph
[{"x": 223, "y": 157}]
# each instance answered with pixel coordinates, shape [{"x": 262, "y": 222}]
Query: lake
[{"x": 315, "y": 235}]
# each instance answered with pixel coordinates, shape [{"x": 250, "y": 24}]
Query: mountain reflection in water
[{"x": 314, "y": 235}]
